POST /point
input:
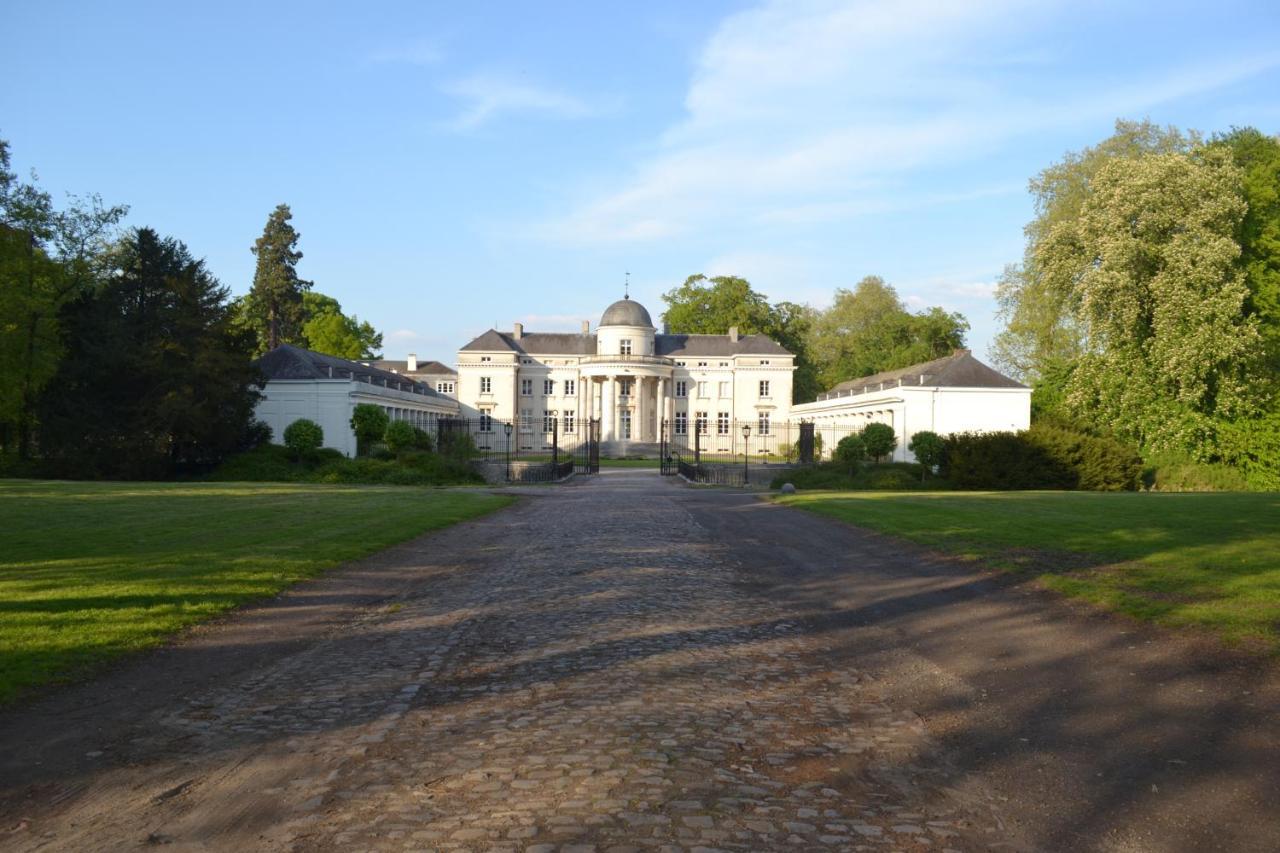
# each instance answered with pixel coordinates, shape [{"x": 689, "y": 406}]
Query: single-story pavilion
[
  {"x": 326, "y": 389},
  {"x": 956, "y": 393}
]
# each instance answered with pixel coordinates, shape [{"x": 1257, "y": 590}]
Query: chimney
[
  {"x": 518, "y": 333},
  {"x": 733, "y": 334},
  {"x": 586, "y": 327},
  {"x": 412, "y": 366}
]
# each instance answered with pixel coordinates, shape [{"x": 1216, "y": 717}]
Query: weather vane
[{"x": 626, "y": 286}]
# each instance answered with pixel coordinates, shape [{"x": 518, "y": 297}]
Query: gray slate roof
[
  {"x": 289, "y": 362},
  {"x": 958, "y": 370},
  {"x": 432, "y": 368},
  {"x": 539, "y": 343},
  {"x": 717, "y": 345}
]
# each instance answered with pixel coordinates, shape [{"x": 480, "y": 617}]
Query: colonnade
[{"x": 630, "y": 407}]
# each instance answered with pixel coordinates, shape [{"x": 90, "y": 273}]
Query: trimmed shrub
[
  {"x": 1172, "y": 473},
  {"x": 928, "y": 449},
  {"x": 369, "y": 422},
  {"x": 421, "y": 439},
  {"x": 399, "y": 436},
  {"x": 850, "y": 450},
  {"x": 889, "y": 476},
  {"x": 303, "y": 437},
  {"x": 879, "y": 440},
  {"x": 1002, "y": 460},
  {"x": 1101, "y": 463}
]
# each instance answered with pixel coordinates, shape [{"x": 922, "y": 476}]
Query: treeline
[
  {"x": 122, "y": 355},
  {"x": 1147, "y": 303},
  {"x": 865, "y": 330}
]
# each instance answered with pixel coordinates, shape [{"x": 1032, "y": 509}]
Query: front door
[{"x": 625, "y": 417}]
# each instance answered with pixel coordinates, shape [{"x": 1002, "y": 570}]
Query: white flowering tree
[{"x": 1152, "y": 265}]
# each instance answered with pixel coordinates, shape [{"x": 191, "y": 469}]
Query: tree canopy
[
  {"x": 868, "y": 329},
  {"x": 327, "y": 330},
  {"x": 274, "y": 307}
]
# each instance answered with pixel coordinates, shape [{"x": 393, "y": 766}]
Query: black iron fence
[
  {"x": 525, "y": 451},
  {"x": 737, "y": 453}
]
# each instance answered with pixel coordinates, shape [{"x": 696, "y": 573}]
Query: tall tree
[
  {"x": 1041, "y": 332},
  {"x": 154, "y": 359},
  {"x": 274, "y": 306},
  {"x": 710, "y": 306},
  {"x": 326, "y": 329},
  {"x": 868, "y": 329},
  {"x": 47, "y": 259},
  {"x": 1258, "y": 158},
  {"x": 1151, "y": 268}
]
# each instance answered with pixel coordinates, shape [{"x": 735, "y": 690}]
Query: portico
[{"x": 630, "y": 399}]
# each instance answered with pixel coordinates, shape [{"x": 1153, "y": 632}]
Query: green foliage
[
  {"x": 1253, "y": 446},
  {"x": 879, "y": 440},
  {"x": 326, "y": 329},
  {"x": 274, "y": 308},
  {"x": 369, "y": 422},
  {"x": 710, "y": 306},
  {"x": 891, "y": 476},
  {"x": 154, "y": 357},
  {"x": 273, "y": 463},
  {"x": 1044, "y": 457},
  {"x": 928, "y": 449},
  {"x": 399, "y": 436},
  {"x": 1169, "y": 472},
  {"x": 817, "y": 446},
  {"x": 1257, "y": 156},
  {"x": 850, "y": 450},
  {"x": 869, "y": 330},
  {"x": 303, "y": 436},
  {"x": 48, "y": 259},
  {"x": 457, "y": 444},
  {"x": 422, "y": 439},
  {"x": 1041, "y": 325}
]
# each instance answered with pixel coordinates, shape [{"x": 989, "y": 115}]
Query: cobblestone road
[{"x": 591, "y": 675}]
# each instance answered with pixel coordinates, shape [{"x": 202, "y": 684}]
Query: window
[
  {"x": 486, "y": 423},
  {"x": 549, "y": 420},
  {"x": 764, "y": 361},
  {"x": 764, "y": 423},
  {"x": 444, "y": 387},
  {"x": 702, "y": 389},
  {"x": 682, "y": 388},
  {"x": 625, "y": 386},
  {"x": 702, "y": 364},
  {"x": 548, "y": 387},
  {"x": 724, "y": 389},
  {"x": 571, "y": 387},
  {"x": 700, "y": 422},
  {"x": 724, "y": 364},
  {"x": 569, "y": 423},
  {"x": 764, "y": 387},
  {"x": 486, "y": 385},
  {"x": 526, "y": 361},
  {"x": 681, "y": 363},
  {"x": 624, "y": 346},
  {"x": 526, "y": 387},
  {"x": 526, "y": 420},
  {"x": 485, "y": 358},
  {"x": 722, "y": 423},
  {"x": 682, "y": 423}
]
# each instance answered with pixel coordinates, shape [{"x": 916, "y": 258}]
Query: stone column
[
  {"x": 641, "y": 431},
  {"x": 607, "y": 409},
  {"x": 660, "y": 405}
]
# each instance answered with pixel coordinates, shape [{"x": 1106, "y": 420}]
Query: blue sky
[{"x": 456, "y": 166}]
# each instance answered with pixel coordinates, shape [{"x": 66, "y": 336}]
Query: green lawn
[
  {"x": 628, "y": 463},
  {"x": 89, "y": 571},
  {"x": 1193, "y": 559}
]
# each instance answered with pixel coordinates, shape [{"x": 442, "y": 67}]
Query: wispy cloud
[
  {"x": 488, "y": 97},
  {"x": 799, "y": 112}
]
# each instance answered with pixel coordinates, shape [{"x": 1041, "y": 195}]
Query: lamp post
[
  {"x": 746, "y": 453},
  {"x": 507, "y": 429}
]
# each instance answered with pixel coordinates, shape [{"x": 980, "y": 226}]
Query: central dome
[{"x": 626, "y": 312}]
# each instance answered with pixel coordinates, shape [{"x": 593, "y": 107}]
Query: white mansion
[
  {"x": 632, "y": 378},
  {"x": 626, "y": 374}
]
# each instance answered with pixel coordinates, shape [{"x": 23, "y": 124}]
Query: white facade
[
  {"x": 302, "y": 384},
  {"x": 628, "y": 376},
  {"x": 949, "y": 395}
]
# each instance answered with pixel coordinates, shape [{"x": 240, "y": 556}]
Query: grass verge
[
  {"x": 90, "y": 571},
  {"x": 1208, "y": 561}
]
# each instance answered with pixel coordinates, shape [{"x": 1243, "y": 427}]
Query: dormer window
[{"x": 624, "y": 346}]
